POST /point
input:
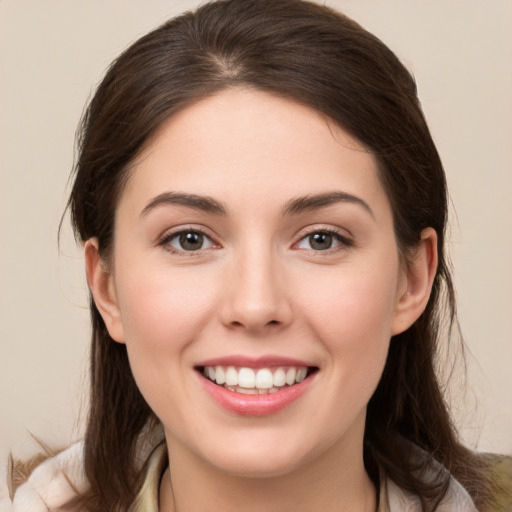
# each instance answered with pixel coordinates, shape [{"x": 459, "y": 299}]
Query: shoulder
[
  {"x": 59, "y": 484},
  {"x": 500, "y": 471},
  {"x": 52, "y": 484},
  {"x": 457, "y": 498}
]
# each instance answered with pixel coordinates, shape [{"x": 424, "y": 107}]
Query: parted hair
[{"x": 320, "y": 58}]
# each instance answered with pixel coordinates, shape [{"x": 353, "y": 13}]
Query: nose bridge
[{"x": 257, "y": 296}]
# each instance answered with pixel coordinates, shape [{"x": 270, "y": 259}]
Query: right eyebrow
[{"x": 198, "y": 202}]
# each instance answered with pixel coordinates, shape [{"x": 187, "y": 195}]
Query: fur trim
[{"x": 49, "y": 486}]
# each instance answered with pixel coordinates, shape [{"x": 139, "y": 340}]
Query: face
[{"x": 256, "y": 283}]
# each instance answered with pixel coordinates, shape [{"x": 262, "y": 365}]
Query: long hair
[{"x": 320, "y": 58}]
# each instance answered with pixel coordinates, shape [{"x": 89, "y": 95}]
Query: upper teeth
[{"x": 264, "y": 378}]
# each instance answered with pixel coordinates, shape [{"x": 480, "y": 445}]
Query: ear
[
  {"x": 101, "y": 285},
  {"x": 416, "y": 285}
]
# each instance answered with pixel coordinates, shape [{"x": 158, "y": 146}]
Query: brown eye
[
  {"x": 320, "y": 241},
  {"x": 323, "y": 241},
  {"x": 189, "y": 241}
]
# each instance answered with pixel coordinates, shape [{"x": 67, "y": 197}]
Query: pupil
[
  {"x": 320, "y": 241},
  {"x": 191, "y": 241}
]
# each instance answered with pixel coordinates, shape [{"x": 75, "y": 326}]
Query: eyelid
[
  {"x": 345, "y": 241},
  {"x": 164, "y": 240}
]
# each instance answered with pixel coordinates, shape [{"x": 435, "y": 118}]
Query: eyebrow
[
  {"x": 203, "y": 203},
  {"x": 317, "y": 201},
  {"x": 292, "y": 207}
]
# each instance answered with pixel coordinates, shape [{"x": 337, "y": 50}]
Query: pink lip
[
  {"x": 254, "y": 405},
  {"x": 254, "y": 362}
]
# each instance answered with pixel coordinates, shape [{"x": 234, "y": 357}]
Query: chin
[
  {"x": 257, "y": 456},
  {"x": 262, "y": 467}
]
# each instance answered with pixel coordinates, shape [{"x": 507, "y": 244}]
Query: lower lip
[{"x": 255, "y": 405}]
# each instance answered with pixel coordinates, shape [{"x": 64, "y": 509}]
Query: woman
[{"x": 263, "y": 212}]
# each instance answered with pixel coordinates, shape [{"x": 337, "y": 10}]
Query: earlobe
[
  {"x": 101, "y": 285},
  {"x": 419, "y": 276}
]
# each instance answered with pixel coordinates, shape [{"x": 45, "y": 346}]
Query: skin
[{"x": 258, "y": 287}]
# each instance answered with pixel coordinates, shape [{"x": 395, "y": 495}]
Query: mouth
[{"x": 256, "y": 381}]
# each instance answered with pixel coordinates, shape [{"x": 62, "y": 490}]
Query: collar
[{"x": 391, "y": 497}]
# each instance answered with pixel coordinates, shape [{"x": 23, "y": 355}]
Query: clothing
[
  {"x": 52, "y": 484},
  {"x": 391, "y": 497},
  {"x": 57, "y": 480}
]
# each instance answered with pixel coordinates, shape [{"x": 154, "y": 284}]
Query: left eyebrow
[
  {"x": 197, "y": 202},
  {"x": 317, "y": 201}
]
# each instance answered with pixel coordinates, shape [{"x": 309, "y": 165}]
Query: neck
[{"x": 332, "y": 482}]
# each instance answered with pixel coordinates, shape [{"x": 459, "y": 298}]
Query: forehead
[{"x": 243, "y": 142}]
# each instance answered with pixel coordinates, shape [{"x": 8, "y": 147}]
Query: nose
[{"x": 256, "y": 297}]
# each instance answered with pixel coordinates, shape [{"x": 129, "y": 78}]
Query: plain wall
[{"x": 53, "y": 53}]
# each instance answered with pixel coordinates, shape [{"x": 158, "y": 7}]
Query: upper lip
[{"x": 267, "y": 361}]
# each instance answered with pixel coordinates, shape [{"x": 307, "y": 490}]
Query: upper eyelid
[
  {"x": 345, "y": 240},
  {"x": 309, "y": 230},
  {"x": 172, "y": 232},
  {"x": 165, "y": 239},
  {"x": 165, "y": 242}
]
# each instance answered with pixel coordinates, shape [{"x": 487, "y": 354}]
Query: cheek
[
  {"x": 163, "y": 313},
  {"x": 352, "y": 317},
  {"x": 353, "y": 307},
  {"x": 162, "y": 308}
]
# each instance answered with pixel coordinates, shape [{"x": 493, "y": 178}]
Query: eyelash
[
  {"x": 169, "y": 237},
  {"x": 343, "y": 241}
]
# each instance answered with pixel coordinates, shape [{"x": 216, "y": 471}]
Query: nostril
[{"x": 238, "y": 324}]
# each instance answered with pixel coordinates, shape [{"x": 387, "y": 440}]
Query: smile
[
  {"x": 259, "y": 386},
  {"x": 251, "y": 381}
]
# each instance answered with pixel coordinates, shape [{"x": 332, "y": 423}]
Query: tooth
[
  {"x": 264, "y": 379},
  {"x": 247, "y": 391},
  {"x": 220, "y": 375},
  {"x": 279, "y": 378},
  {"x": 231, "y": 376},
  {"x": 290, "y": 376},
  {"x": 246, "y": 378},
  {"x": 301, "y": 374}
]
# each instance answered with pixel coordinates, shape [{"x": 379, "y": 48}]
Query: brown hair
[{"x": 320, "y": 58}]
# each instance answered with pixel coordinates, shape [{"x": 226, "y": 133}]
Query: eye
[
  {"x": 188, "y": 240},
  {"x": 323, "y": 241}
]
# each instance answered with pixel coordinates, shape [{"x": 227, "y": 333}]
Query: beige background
[{"x": 53, "y": 52}]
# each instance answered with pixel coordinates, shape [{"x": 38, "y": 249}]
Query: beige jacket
[{"x": 57, "y": 480}]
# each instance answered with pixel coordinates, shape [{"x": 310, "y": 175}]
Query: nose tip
[
  {"x": 256, "y": 319},
  {"x": 256, "y": 300}
]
